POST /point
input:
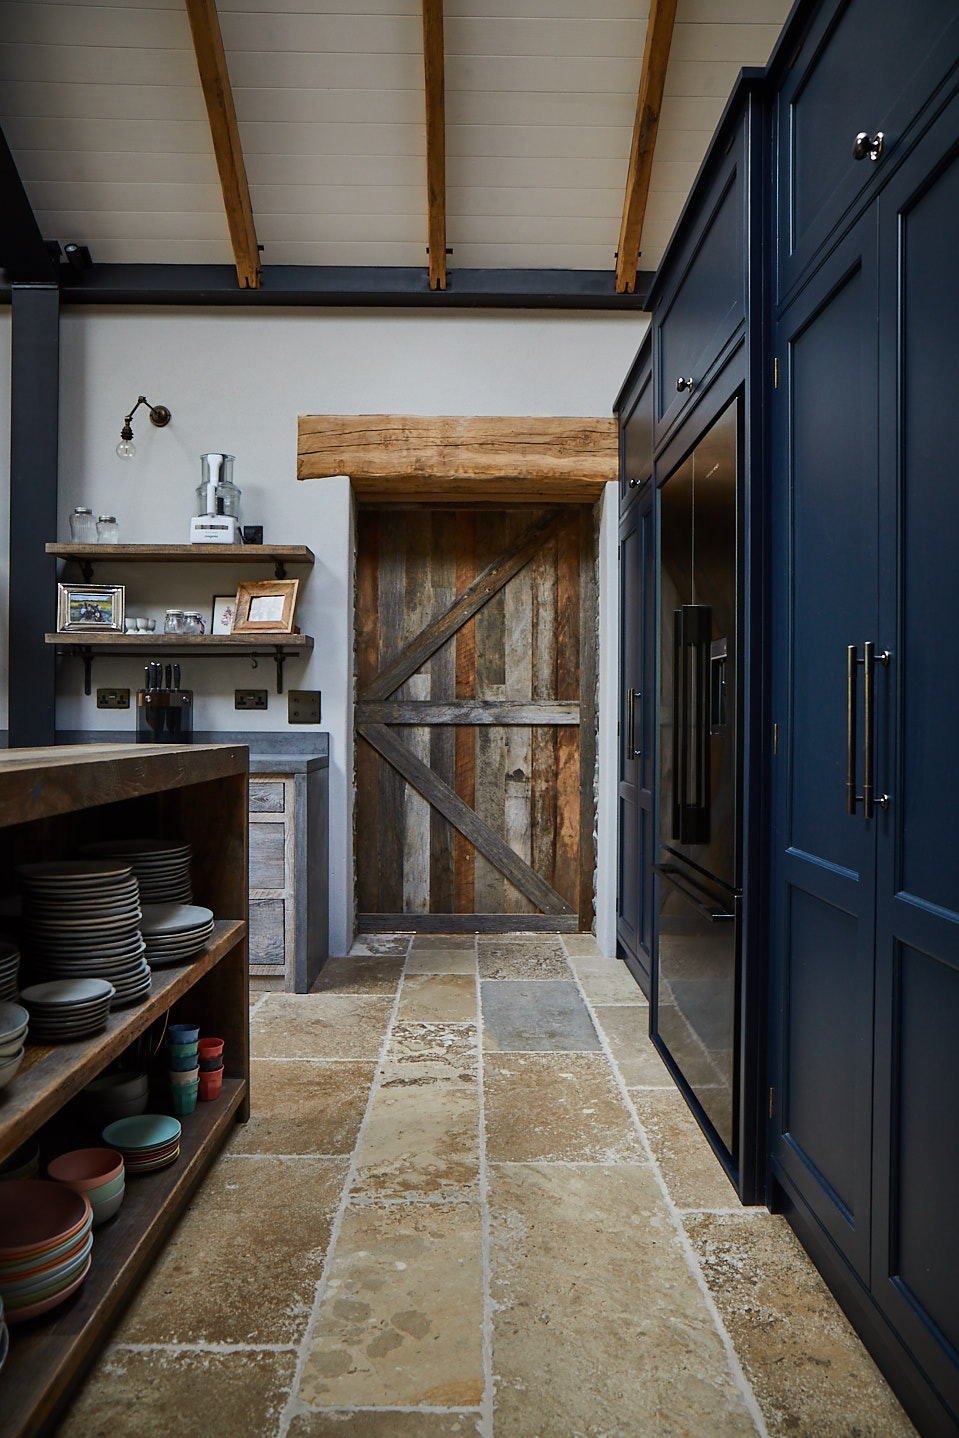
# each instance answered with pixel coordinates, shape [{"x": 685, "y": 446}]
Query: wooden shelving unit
[
  {"x": 50, "y": 801},
  {"x": 279, "y": 555}
]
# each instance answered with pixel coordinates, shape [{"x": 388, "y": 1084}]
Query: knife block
[{"x": 164, "y": 716}]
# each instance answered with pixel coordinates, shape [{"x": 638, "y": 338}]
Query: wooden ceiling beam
[
  {"x": 215, "y": 81},
  {"x": 435, "y": 140},
  {"x": 659, "y": 34}
]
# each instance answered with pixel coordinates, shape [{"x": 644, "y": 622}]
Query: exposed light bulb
[{"x": 126, "y": 449}]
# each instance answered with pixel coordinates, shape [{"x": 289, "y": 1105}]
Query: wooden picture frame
[
  {"x": 265, "y": 606},
  {"x": 90, "y": 607}
]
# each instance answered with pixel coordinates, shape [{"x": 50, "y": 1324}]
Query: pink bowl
[
  {"x": 86, "y": 1168},
  {"x": 38, "y": 1213},
  {"x": 19, "y": 1315}
]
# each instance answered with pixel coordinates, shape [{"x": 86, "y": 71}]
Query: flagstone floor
[{"x": 470, "y": 1201}]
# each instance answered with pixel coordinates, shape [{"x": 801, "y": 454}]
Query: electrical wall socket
[
  {"x": 250, "y": 698},
  {"x": 113, "y": 698},
  {"x": 303, "y": 706}
]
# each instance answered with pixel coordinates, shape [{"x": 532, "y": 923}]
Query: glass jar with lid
[
  {"x": 192, "y": 622},
  {"x": 108, "y": 531},
  {"x": 83, "y": 526},
  {"x": 173, "y": 622}
]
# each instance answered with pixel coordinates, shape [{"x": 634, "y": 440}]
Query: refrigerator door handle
[
  {"x": 852, "y": 664},
  {"x": 634, "y": 750},
  {"x": 691, "y": 892},
  {"x": 679, "y": 725}
]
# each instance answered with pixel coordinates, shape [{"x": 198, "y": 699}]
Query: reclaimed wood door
[{"x": 475, "y": 717}]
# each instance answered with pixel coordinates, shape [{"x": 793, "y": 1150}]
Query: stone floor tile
[
  {"x": 581, "y": 946},
  {"x": 541, "y": 958},
  {"x": 319, "y": 1026},
  {"x": 190, "y": 1395},
  {"x": 438, "y": 998},
  {"x": 626, "y": 1029},
  {"x": 430, "y": 1053},
  {"x": 608, "y": 981},
  {"x": 441, "y": 961},
  {"x": 600, "y": 1327},
  {"x": 384, "y": 1424},
  {"x": 401, "y": 1319},
  {"x": 361, "y": 974},
  {"x": 421, "y": 1141},
  {"x": 692, "y": 1172},
  {"x": 380, "y": 944},
  {"x": 807, "y": 1367},
  {"x": 304, "y": 1107},
  {"x": 535, "y": 1015},
  {"x": 556, "y": 1107},
  {"x": 243, "y": 1262},
  {"x": 423, "y": 943}
]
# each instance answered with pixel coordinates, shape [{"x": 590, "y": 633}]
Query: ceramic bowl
[
  {"x": 8, "y": 1067},
  {"x": 105, "y": 1208},
  {"x": 86, "y": 1168},
  {"x": 24, "y": 1162},
  {"x": 106, "y": 1190},
  {"x": 36, "y": 1214}
]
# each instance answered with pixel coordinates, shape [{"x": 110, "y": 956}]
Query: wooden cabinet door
[
  {"x": 825, "y": 566},
  {"x": 916, "y": 1142},
  {"x": 476, "y": 678}
]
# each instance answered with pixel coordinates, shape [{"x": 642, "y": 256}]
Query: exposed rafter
[
  {"x": 215, "y": 80},
  {"x": 435, "y": 140},
  {"x": 659, "y": 34},
  {"x": 23, "y": 253}
]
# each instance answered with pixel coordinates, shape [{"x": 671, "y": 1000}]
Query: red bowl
[{"x": 86, "y": 1168}]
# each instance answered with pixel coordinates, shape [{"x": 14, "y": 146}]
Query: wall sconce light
[{"x": 159, "y": 415}]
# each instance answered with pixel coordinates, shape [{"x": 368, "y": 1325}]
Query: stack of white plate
[
  {"x": 80, "y": 921},
  {"x": 9, "y": 966},
  {"x": 175, "y": 932},
  {"x": 162, "y": 866},
  {"x": 67, "y": 1009}
]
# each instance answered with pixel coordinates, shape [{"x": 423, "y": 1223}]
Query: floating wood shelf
[
  {"x": 279, "y": 555},
  {"x": 87, "y": 644}
]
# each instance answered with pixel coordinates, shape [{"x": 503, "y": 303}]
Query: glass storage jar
[
  {"x": 83, "y": 526},
  {"x": 192, "y": 623},
  {"x": 108, "y": 531},
  {"x": 173, "y": 622}
]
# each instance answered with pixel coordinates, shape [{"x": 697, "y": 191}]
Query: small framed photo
[
  {"x": 224, "y": 609},
  {"x": 90, "y": 606},
  {"x": 265, "y": 606}
]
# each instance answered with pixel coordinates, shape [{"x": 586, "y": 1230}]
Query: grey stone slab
[{"x": 534, "y": 1016}]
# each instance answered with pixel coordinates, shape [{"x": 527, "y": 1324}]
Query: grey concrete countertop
[{"x": 270, "y": 753}]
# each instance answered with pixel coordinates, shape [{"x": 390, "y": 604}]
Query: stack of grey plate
[
  {"x": 81, "y": 921},
  {"x": 175, "y": 932},
  {"x": 67, "y": 1009},
  {"x": 9, "y": 968},
  {"x": 161, "y": 866}
]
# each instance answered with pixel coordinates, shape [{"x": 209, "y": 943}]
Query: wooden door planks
[{"x": 464, "y": 855}]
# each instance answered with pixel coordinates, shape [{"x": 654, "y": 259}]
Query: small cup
[
  {"x": 184, "y": 1097},
  {"x": 146, "y": 626},
  {"x": 210, "y": 1048},
  {"x": 209, "y": 1066},
  {"x": 183, "y": 1033},
  {"x": 211, "y": 1085},
  {"x": 130, "y": 624},
  {"x": 187, "y": 1076}
]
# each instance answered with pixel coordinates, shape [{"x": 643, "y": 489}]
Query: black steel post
[{"x": 34, "y": 412}]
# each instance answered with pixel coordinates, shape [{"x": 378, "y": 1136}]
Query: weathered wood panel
[
  {"x": 438, "y": 459},
  {"x": 517, "y": 599},
  {"x": 464, "y": 855},
  {"x": 392, "y": 790},
  {"x": 442, "y": 742},
  {"x": 489, "y": 881},
  {"x": 588, "y": 681},
  {"x": 566, "y": 854},
  {"x": 470, "y": 711},
  {"x": 417, "y": 614}
]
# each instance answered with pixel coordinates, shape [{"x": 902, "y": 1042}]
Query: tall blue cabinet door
[
  {"x": 637, "y": 680},
  {"x": 823, "y": 864},
  {"x": 916, "y": 1269}
]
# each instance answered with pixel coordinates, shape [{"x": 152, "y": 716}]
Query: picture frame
[
  {"x": 89, "y": 607},
  {"x": 224, "y": 611},
  {"x": 265, "y": 606}
]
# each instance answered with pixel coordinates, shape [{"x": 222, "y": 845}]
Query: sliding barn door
[{"x": 475, "y": 719}]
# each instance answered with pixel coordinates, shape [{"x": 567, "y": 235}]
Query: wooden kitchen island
[{"x": 51, "y": 801}]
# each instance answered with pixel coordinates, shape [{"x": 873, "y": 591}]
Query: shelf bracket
[
  {"x": 279, "y": 656},
  {"x": 87, "y": 656},
  {"x": 86, "y": 571},
  {"x": 279, "y": 568}
]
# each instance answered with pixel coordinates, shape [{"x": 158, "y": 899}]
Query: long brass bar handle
[
  {"x": 630, "y": 701},
  {"x": 852, "y": 665},
  {"x": 868, "y": 708}
]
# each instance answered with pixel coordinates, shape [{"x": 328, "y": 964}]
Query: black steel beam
[
  {"x": 335, "y": 285},
  {"x": 23, "y": 253},
  {"x": 34, "y": 411}
]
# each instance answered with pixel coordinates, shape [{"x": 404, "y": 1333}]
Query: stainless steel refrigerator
[{"x": 696, "y": 970}]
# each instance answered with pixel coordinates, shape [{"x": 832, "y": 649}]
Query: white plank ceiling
[{"x": 102, "y": 108}]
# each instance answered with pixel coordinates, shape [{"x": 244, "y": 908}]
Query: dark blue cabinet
[{"x": 865, "y": 880}]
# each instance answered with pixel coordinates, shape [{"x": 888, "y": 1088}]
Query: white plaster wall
[{"x": 236, "y": 381}]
